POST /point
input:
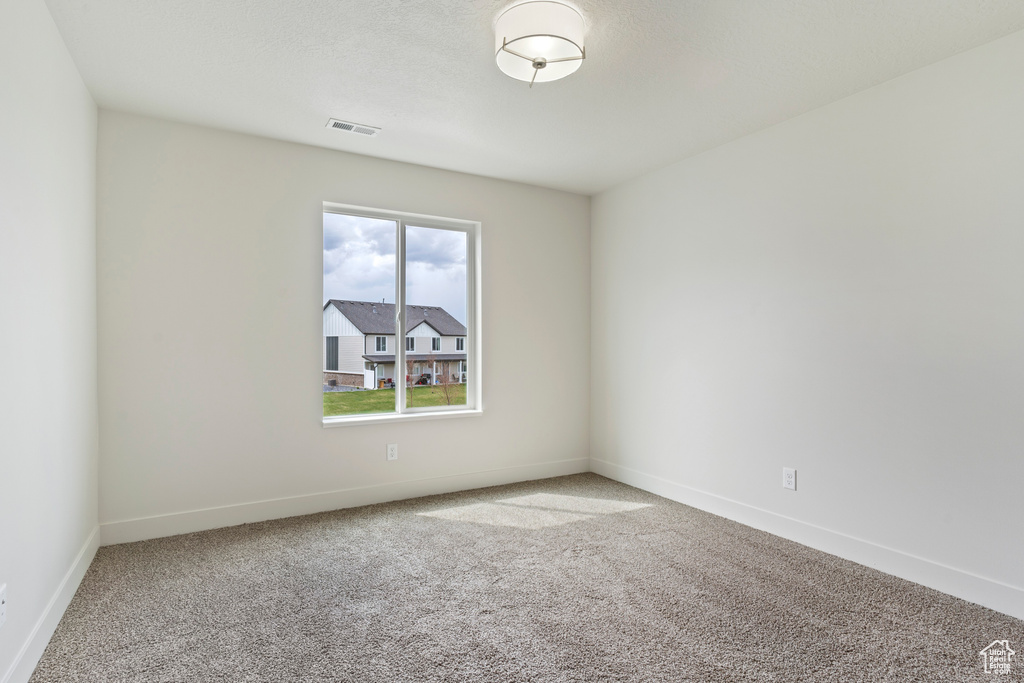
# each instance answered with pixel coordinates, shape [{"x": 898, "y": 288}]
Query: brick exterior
[{"x": 345, "y": 379}]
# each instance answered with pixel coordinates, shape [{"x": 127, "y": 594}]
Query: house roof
[{"x": 372, "y": 317}]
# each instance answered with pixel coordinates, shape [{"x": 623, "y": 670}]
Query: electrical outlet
[
  {"x": 392, "y": 451},
  {"x": 3, "y": 604},
  {"x": 789, "y": 478}
]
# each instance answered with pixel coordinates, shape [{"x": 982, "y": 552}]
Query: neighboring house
[{"x": 359, "y": 344}]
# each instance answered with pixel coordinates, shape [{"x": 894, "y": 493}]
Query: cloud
[
  {"x": 437, "y": 249},
  {"x": 359, "y": 263},
  {"x": 353, "y": 238}
]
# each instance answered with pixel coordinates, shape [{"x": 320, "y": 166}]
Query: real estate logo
[{"x": 997, "y": 657}]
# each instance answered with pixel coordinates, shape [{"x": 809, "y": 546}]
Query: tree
[
  {"x": 446, "y": 383},
  {"x": 408, "y": 373},
  {"x": 442, "y": 379}
]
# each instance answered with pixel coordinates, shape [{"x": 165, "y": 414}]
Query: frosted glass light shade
[{"x": 542, "y": 30}]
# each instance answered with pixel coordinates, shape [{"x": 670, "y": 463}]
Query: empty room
[{"x": 544, "y": 340}]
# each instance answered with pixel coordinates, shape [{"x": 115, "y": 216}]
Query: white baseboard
[
  {"x": 977, "y": 589},
  {"x": 25, "y": 661},
  {"x": 145, "y": 528}
]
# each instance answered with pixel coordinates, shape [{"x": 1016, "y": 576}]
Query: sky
[{"x": 359, "y": 263}]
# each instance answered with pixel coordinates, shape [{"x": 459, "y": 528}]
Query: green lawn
[{"x": 383, "y": 400}]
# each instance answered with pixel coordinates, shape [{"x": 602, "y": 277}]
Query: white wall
[
  {"x": 210, "y": 329},
  {"x": 844, "y": 294},
  {"x": 48, "y": 451}
]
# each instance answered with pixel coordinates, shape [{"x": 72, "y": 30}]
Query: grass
[{"x": 383, "y": 400}]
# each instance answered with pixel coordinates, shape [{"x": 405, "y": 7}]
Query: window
[
  {"x": 389, "y": 274},
  {"x": 331, "y": 361}
]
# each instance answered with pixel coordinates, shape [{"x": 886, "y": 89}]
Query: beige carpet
[{"x": 570, "y": 579}]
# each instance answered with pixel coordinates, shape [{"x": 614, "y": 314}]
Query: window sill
[{"x": 345, "y": 420}]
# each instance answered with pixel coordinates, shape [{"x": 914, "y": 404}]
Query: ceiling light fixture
[{"x": 539, "y": 41}]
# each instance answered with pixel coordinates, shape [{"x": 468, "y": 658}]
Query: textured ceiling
[{"x": 663, "y": 79}]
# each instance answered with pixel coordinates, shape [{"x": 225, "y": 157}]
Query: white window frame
[
  {"x": 376, "y": 344},
  {"x": 435, "y": 341},
  {"x": 410, "y": 341},
  {"x": 460, "y": 343},
  {"x": 474, "y": 311}
]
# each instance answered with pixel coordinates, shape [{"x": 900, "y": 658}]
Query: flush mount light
[{"x": 539, "y": 41}]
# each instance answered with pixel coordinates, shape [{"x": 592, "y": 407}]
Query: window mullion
[{"x": 400, "y": 397}]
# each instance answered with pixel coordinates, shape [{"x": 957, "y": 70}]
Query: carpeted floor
[{"x": 569, "y": 579}]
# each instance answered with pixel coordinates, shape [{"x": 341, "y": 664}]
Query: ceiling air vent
[{"x": 350, "y": 127}]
